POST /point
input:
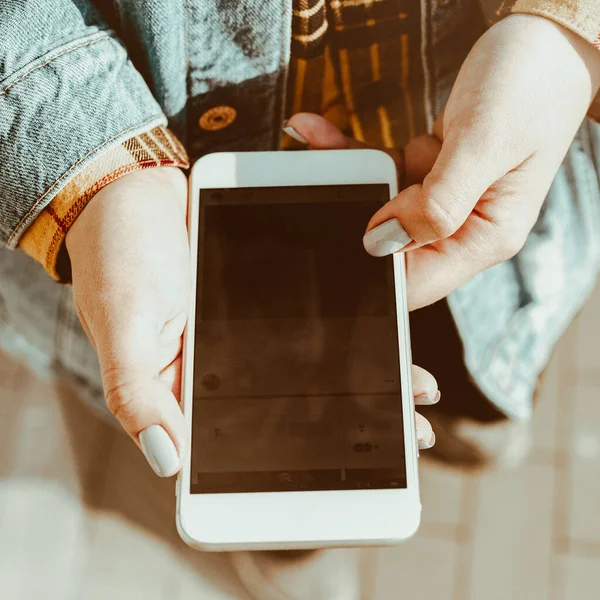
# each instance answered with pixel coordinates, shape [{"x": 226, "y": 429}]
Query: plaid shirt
[
  {"x": 356, "y": 62},
  {"x": 44, "y": 239}
]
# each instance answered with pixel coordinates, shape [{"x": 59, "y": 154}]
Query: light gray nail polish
[
  {"x": 159, "y": 450},
  {"x": 423, "y": 400},
  {"x": 429, "y": 444},
  {"x": 293, "y": 133},
  {"x": 386, "y": 238}
]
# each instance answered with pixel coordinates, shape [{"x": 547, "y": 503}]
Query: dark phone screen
[{"x": 296, "y": 365}]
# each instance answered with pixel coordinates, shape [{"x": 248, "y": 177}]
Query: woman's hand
[
  {"x": 475, "y": 188},
  {"x": 426, "y": 393},
  {"x": 130, "y": 263}
]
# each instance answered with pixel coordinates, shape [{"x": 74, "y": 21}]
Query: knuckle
[
  {"x": 512, "y": 244},
  {"x": 121, "y": 400},
  {"x": 515, "y": 234},
  {"x": 439, "y": 219},
  {"x": 508, "y": 241}
]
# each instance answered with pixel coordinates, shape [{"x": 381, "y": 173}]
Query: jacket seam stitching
[
  {"x": 103, "y": 38},
  {"x": 72, "y": 168}
]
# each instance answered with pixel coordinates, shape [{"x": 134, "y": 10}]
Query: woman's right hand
[{"x": 130, "y": 266}]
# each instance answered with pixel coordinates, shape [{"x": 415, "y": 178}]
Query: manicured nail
[
  {"x": 159, "y": 450},
  {"x": 424, "y": 400},
  {"x": 386, "y": 238},
  {"x": 428, "y": 444},
  {"x": 293, "y": 133}
]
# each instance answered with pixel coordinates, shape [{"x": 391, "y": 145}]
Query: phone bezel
[{"x": 306, "y": 519}]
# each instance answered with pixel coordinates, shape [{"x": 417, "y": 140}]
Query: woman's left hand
[{"x": 474, "y": 189}]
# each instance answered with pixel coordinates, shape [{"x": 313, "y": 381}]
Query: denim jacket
[{"x": 69, "y": 90}]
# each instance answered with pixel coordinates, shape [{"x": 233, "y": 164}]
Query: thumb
[
  {"x": 436, "y": 208},
  {"x": 137, "y": 389}
]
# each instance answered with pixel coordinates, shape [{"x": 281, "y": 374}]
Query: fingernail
[
  {"x": 424, "y": 400},
  {"x": 293, "y": 133},
  {"x": 429, "y": 443},
  {"x": 386, "y": 238},
  {"x": 159, "y": 450}
]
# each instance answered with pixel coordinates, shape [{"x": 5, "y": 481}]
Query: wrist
[
  {"x": 131, "y": 188},
  {"x": 546, "y": 25},
  {"x": 44, "y": 240}
]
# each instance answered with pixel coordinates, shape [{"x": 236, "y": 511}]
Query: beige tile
[
  {"x": 42, "y": 521},
  {"x": 42, "y": 449},
  {"x": 545, "y": 435},
  {"x": 553, "y": 412},
  {"x": 440, "y": 496},
  {"x": 42, "y": 540},
  {"x": 129, "y": 547},
  {"x": 420, "y": 568},
  {"x": 125, "y": 561},
  {"x": 10, "y": 371},
  {"x": 332, "y": 574},
  {"x": 511, "y": 547},
  {"x": 11, "y": 406},
  {"x": 45, "y": 430},
  {"x": 567, "y": 348},
  {"x": 90, "y": 440},
  {"x": 34, "y": 434},
  {"x": 582, "y": 577},
  {"x": 145, "y": 503},
  {"x": 210, "y": 573},
  {"x": 584, "y": 465},
  {"x": 115, "y": 588},
  {"x": 132, "y": 490},
  {"x": 193, "y": 585},
  {"x": 588, "y": 333},
  {"x": 17, "y": 392},
  {"x": 53, "y": 453}
]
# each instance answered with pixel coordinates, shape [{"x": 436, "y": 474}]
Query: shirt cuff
[
  {"x": 580, "y": 16},
  {"x": 44, "y": 238}
]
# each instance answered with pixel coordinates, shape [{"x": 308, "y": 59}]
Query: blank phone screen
[{"x": 296, "y": 364}]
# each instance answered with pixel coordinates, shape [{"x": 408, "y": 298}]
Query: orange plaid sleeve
[
  {"x": 580, "y": 16},
  {"x": 45, "y": 237}
]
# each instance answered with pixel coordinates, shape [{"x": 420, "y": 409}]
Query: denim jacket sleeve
[{"x": 68, "y": 92}]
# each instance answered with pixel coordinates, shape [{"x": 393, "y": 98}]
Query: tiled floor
[{"x": 83, "y": 518}]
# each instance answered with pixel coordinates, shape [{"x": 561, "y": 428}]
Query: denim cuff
[{"x": 58, "y": 114}]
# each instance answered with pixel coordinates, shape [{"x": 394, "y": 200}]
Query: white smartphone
[{"x": 297, "y": 384}]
